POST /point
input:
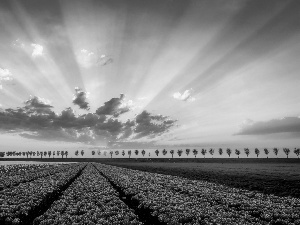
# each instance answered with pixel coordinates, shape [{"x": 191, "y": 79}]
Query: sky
[{"x": 148, "y": 74}]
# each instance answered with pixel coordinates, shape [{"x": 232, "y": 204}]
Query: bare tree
[
  {"x": 143, "y": 152},
  {"x": 172, "y": 153},
  {"x": 297, "y": 152},
  {"x": 195, "y": 152},
  {"x": 164, "y": 152},
  {"x": 275, "y": 150},
  {"x": 203, "y": 152},
  {"x": 266, "y": 152},
  {"x": 228, "y": 151},
  {"x": 187, "y": 151},
  {"x": 179, "y": 152},
  {"x": 286, "y": 151},
  {"x": 247, "y": 151},
  {"x": 220, "y": 151},
  {"x": 256, "y": 150},
  {"x": 237, "y": 152}
]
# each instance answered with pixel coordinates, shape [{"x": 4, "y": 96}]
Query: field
[
  {"x": 271, "y": 176},
  {"x": 97, "y": 193}
]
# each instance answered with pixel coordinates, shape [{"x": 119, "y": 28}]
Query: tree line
[
  {"x": 203, "y": 151},
  {"x": 157, "y": 152}
]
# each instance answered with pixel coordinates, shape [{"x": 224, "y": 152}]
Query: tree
[
  {"x": 164, "y": 152},
  {"x": 45, "y": 153},
  {"x": 57, "y": 153},
  {"x": 237, "y": 152},
  {"x": 247, "y": 151},
  {"x": 195, "y": 152},
  {"x": 297, "y": 152},
  {"x": 136, "y": 152},
  {"x": 228, "y": 151},
  {"x": 23, "y": 153},
  {"x": 82, "y": 152},
  {"x": 62, "y": 154},
  {"x": 32, "y": 153},
  {"x": 129, "y": 153},
  {"x": 49, "y": 153},
  {"x": 99, "y": 152},
  {"x": 105, "y": 153},
  {"x": 143, "y": 152},
  {"x": 38, "y": 153},
  {"x": 53, "y": 154},
  {"x": 93, "y": 152},
  {"x": 203, "y": 152},
  {"x": 266, "y": 152},
  {"x": 123, "y": 153},
  {"x": 111, "y": 153},
  {"x": 172, "y": 153},
  {"x": 187, "y": 151},
  {"x": 117, "y": 152},
  {"x": 156, "y": 152},
  {"x": 211, "y": 151},
  {"x": 220, "y": 151},
  {"x": 66, "y": 154},
  {"x": 76, "y": 152},
  {"x": 275, "y": 150},
  {"x": 286, "y": 151},
  {"x": 256, "y": 150},
  {"x": 27, "y": 153},
  {"x": 179, "y": 152}
]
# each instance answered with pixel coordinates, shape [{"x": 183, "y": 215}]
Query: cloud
[
  {"x": 86, "y": 58},
  {"x": 284, "y": 125},
  {"x": 80, "y": 98},
  {"x": 37, "y": 50},
  {"x": 104, "y": 60},
  {"x": 114, "y": 107},
  {"x": 185, "y": 96},
  {"x": 5, "y": 76},
  {"x": 17, "y": 43},
  {"x": 36, "y": 120},
  {"x": 151, "y": 125},
  {"x": 38, "y": 105}
]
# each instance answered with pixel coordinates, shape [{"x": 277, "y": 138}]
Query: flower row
[
  {"x": 20, "y": 203},
  {"x": 175, "y": 200},
  {"x": 29, "y": 174},
  {"x": 90, "y": 199}
]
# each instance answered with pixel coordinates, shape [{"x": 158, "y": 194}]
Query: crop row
[
  {"x": 175, "y": 200},
  {"x": 89, "y": 199},
  {"x": 27, "y": 175},
  {"x": 15, "y": 168},
  {"x": 20, "y": 204}
]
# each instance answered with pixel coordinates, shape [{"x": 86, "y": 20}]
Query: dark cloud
[
  {"x": 38, "y": 105},
  {"x": 80, "y": 98},
  {"x": 285, "y": 125},
  {"x": 151, "y": 125},
  {"x": 36, "y": 120},
  {"x": 114, "y": 107}
]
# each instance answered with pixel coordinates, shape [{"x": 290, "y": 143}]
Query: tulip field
[{"x": 95, "y": 193}]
